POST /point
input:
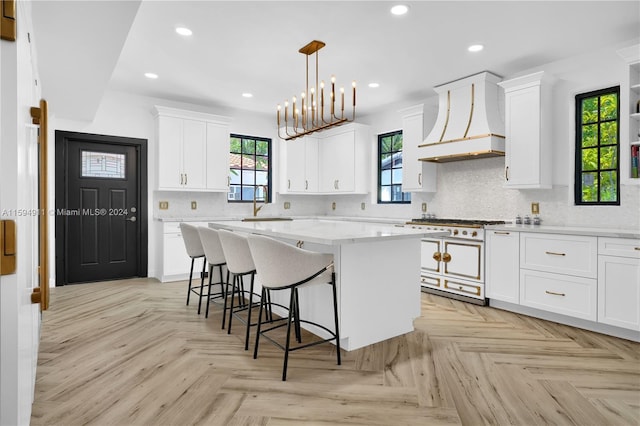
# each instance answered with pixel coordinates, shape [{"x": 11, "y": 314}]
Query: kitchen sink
[{"x": 266, "y": 219}]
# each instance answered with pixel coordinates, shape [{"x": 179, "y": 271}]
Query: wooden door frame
[{"x": 61, "y": 197}]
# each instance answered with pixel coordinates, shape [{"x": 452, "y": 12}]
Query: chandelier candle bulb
[
  {"x": 341, "y": 102},
  {"x": 278, "y": 116}
]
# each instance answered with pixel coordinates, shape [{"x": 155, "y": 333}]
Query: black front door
[{"x": 102, "y": 216}]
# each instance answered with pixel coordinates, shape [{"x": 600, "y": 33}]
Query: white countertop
[
  {"x": 569, "y": 230},
  {"x": 327, "y": 231}
]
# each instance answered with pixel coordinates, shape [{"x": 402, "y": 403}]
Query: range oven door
[{"x": 463, "y": 259}]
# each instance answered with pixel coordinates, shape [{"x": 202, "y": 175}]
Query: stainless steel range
[{"x": 453, "y": 266}]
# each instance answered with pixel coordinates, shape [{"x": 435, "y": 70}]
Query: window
[
  {"x": 597, "y": 148},
  {"x": 103, "y": 165},
  {"x": 249, "y": 168},
  {"x": 390, "y": 169}
]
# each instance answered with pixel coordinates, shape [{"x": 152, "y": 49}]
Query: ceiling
[{"x": 87, "y": 47}]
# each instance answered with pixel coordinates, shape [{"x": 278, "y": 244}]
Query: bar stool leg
[
  {"x": 246, "y": 339},
  {"x": 263, "y": 297},
  {"x": 292, "y": 307},
  {"x": 190, "y": 277},
  {"x": 226, "y": 298},
  {"x": 206, "y": 314},
  {"x": 335, "y": 316},
  {"x": 233, "y": 292},
  {"x": 204, "y": 268}
]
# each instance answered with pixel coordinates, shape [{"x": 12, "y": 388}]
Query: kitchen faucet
[{"x": 266, "y": 198}]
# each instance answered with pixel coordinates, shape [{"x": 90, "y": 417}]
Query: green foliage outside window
[
  {"x": 390, "y": 169},
  {"x": 597, "y": 147}
]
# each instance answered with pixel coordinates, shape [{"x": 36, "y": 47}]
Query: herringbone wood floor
[{"x": 130, "y": 352}]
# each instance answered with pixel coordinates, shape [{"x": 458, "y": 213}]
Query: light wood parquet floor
[{"x": 131, "y": 353}]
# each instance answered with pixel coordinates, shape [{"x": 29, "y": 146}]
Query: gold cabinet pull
[
  {"x": 506, "y": 173},
  {"x": 288, "y": 183},
  {"x": 437, "y": 256},
  {"x": 420, "y": 179},
  {"x": 552, "y": 253},
  {"x": 637, "y": 248},
  {"x": 553, "y": 293},
  {"x": 502, "y": 233},
  {"x": 446, "y": 258}
]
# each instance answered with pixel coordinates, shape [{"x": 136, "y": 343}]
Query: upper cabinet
[
  {"x": 333, "y": 161},
  {"x": 193, "y": 150},
  {"x": 344, "y": 160},
  {"x": 528, "y": 131},
  {"x": 300, "y": 158},
  {"x": 417, "y": 176},
  {"x": 630, "y": 117}
]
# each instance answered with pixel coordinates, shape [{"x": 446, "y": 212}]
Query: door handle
[
  {"x": 7, "y": 247},
  {"x": 131, "y": 219},
  {"x": 446, "y": 258},
  {"x": 420, "y": 179},
  {"x": 437, "y": 256}
]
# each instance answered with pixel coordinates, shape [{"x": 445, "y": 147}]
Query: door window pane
[{"x": 103, "y": 165}]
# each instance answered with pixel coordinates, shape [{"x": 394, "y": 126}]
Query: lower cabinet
[
  {"x": 503, "y": 268},
  {"x": 176, "y": 263},
  {"x": 561, "y": 294},
  {"x": 591, "y": 278},
  {"x": 619, "y": 282}
]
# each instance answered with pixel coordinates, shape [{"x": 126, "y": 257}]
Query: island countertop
[{"x": 328, "y": 232}]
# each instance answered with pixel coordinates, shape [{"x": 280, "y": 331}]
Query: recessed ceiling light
[
  {"x": 184, "y": 31},
  {"x": 374, "y": 85},
  {"x": 247, "y": 95},
  {"x": 151, "y": 75},
  {"x": 475, "y": 48},
  {"x": 399, "y": 9}
]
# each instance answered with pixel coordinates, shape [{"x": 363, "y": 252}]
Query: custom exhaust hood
[{"x": 469, "y": 123}]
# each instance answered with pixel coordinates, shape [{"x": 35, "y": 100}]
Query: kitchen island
[{"x": 377, "y": 274}]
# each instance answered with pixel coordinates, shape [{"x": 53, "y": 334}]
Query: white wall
[{"x": 466, "y": 189}]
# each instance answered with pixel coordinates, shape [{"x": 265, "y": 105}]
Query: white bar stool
[
  {"x": 215, "y": 257},
  {"x": 281, "y": 266},
  {"x": 239, "y": 264},
  {"x": 195, "y": 251}
]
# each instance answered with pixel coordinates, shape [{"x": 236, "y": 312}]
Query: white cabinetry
[
  {"x": 558, "y": 274},
  {"x": 503, "y": 265},
  {"x": 417, "y": 176},
  {"x": 592, "y": 282},
  {"x": 193, "y": 150},
  {"x": 528, "y": 131},
  {"x": 301, "y": 165},
  {"x": 619, "y": 282},
  {"x": 344, "y": 160},
  {"x": 630, "y": 117},
  {"x": 176, "y": 263},
  {"x": 217, "y": 156}
]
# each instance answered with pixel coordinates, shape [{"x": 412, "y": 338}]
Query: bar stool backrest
[
  {"x": 212, "y": 246},
  {"x": 191, "y": 240},
  {"x": 236, "y": 252}
]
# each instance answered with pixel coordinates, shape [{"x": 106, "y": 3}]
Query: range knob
[
  {"x": 455, "y": 232},
  {"x": 464, "y": 232},
  {"x": 474, "y": 234}
]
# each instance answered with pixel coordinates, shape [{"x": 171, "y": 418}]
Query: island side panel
[{"x": 379, "y": 290}]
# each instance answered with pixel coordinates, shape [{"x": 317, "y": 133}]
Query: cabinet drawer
[
  {"x": 562, "y": 294},
  {"x": 623, "y": 247},
  {"x": 172, "y": 227},
  {"x": 563, "y": 254},
  {"x": 430, "y": 281},
  {"x": 466, "y": 289}
]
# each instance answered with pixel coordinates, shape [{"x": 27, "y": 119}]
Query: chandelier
[{"x": 308, "y": 116}]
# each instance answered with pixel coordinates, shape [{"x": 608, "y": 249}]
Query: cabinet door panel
[
  {"x": 429, "y": 249},
  {"x": 503, "y": 266},
  {"x": 337, "y": 160},
  {"x": 523, "y": 129},
  {"x": 217, "y": 157},
  {"x": 619, "y": 291},
  {"x": 295, "y": 164},
  {"x": 194, "y": 153},
  {"x": 170, "y": 152}
]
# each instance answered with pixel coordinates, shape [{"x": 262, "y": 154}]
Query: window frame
[
  {"x": 406, "y": 196},
  {"x": 254, "y": 185},
  {"x": 578, "y": 171}
]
